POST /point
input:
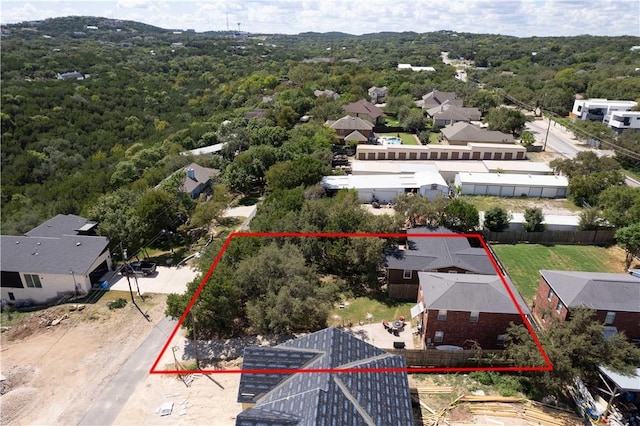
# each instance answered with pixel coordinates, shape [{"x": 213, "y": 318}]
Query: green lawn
[
  {"x": 408, "y": 139},
  {"x": 391, "y": 122},
  {"x": 356, "y": 310},
  {"x": 523, "y": 262},
  {"x": 434, "y": 138}
]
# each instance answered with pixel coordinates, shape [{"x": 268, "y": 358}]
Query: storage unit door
[
  {"x": 508, "y": 191},
  {"x": 535, "y": 191},
  {"x": 480, "y": 190},
  {"x": 493, "y": 190},
  {"x": 550, "y": 192}
]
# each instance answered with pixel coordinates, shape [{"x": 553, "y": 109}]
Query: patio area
[{"x": 377, "y": 335}]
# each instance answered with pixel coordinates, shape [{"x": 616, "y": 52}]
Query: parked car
[{"x": 140, "y": 268}]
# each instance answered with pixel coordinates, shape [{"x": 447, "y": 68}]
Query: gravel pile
[{"x": 14, "y": 404}]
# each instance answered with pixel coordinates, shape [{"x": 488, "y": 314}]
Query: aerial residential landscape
[{"x": 263, "y": 219}]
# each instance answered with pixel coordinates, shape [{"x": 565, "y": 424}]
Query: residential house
[
  {"x": 512, "y": 185},
  {"x": 326, "y": 93},
  {"x": 623, "y": 120},
  {"x": 447, "y": 114},
  {"x": 614, "y": 297},
  {"x": 463, "y": 309},
  {"x": 377, "y": 394},
  {"x": 365, "y": 110},
  {"x": 197, "y": 179},
  {"x": 453, "y": 253},
  {"x": 378, "y": 95},
  {"x": 73, "y": 75},
  {"x": 384, "y": 188},
  {"x": 256, "y": 113},
  {"x": 435, "y": 98},
  {"x": 352, "y": 128},
  {"x": 60, "y": 258},
  {"x": 462, "y": 133}
]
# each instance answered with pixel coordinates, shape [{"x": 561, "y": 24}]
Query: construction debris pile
[{"x": 39, "y": 320}]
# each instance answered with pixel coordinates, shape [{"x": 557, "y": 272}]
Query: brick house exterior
[
  {"x": 462, "y": 308},
  {"x": 614, "y": 297},
  {"x": 349, "y": 125},
  {"x": 454, "y": 254}
]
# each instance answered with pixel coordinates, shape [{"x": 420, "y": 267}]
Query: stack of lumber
[
  {"x": 490, "y": 398},
  {"x": 494, "y": 410},
  {"x": 434, "y": 389},
  {"x": 545, "y": 415}
]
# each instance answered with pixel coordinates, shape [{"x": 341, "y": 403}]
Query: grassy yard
[
  {"x": 408, "y": 139},
  {"x": 485, "y": 202},
  {"x": 356, "y": 310},
  {"x": 434, "y": 138},
  {"x": 391, "y": 122},
  {"x": 523, "y": 261}
]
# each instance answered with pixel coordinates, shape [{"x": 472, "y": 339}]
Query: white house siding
[{"x": 54, "y": 287}]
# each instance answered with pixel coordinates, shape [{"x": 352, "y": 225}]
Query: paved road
[
  {"x": 117, "y": 392},
  {"x": 557, "y": 140}
]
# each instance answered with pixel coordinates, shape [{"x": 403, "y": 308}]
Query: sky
[{"x": 521, "y": 18}]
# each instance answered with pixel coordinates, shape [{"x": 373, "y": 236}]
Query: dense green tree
[
  {"x": 527, "y": 138},
  {"x": 620, "y": 205},
  {"x": 395, "y": 104},
  {"x": 496, "y": 219},
  {"x": 413, "y": 120},
  {"x": 533, "y": 220},
  {"x": 586, "y": 189},
  {"x": 461, "y": 215},
  {"x": 591, "y": 219},
  {"x": 629, "y": 239},
  {"x": 484, "y": 100},
  {"x": 301, "y": 171},
  {"x": 161, "y": 210},
  {"x": 627, "y": 148},
  {"x": 506, "y": 120}
]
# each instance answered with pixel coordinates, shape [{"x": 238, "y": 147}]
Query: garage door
[
  {"x": 549, "y": 192},
  {"x": 493, "y": 190},
  {"x": 535, "y": 191},
  {"x": 508, "y": 191},
  {"x": 480, "y": 190},
  {"x": 365, "y": 195}
]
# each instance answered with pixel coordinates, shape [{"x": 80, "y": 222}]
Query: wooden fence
[
  {"x": 601, "y": 237},
  {"x": 433, "y": 358}
]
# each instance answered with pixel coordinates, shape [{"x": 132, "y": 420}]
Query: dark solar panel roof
[{"x": 259, "y": 417}]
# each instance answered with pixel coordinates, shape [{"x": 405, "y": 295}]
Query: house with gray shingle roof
[
  {"x": 57, "y": 259},
  {"x": 436, "y": 98},
  {"x": 377, "y": 94},
  {"x": 614, "y": 297},
  {"x": 197, "y": 179},
  {"x": 424, "y": 253},
  {"x": 448, "y": 113},
  {"x": 460, "y": 309},
  {"x": 462, "y": 133},
  {"x": 352, "y": 128},
  {"x": 366, "y": 110},
  {"x": 324, "y": 398}
]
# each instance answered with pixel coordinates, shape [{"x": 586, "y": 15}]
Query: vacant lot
[
  {"x": 518, "y": 204},
  {"x": 523, "y": 261}
]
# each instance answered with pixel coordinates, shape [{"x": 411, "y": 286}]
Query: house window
[
  {"x": 11, "y": 296},
  {"x": 500, "y": 341},
  {"x": 442, "y": 315},
  {"x": 407, "y": 274},
  {"x": 579, "y": 108},
  {"x": 474, "y": 316},
  {"x": 32, "y": 280},
  {"x": 550, "y": 295},
  {"x": 611, "y": 316},
  {"x": 439, "y": 337},
  {"x": 559, "y": 307},
  {"x": 434, "y": 186}
]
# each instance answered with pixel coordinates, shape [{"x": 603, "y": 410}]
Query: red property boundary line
[{"x": 547, "y": 367}]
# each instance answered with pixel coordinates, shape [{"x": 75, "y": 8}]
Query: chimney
[{"x": 191, "y": 174}]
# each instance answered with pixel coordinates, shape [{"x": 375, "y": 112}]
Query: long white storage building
[
  {"x": 385, "y": 188},
  {"x": 512, "y": 185}
]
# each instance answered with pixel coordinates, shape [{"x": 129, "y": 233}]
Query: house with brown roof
[
  {"x": 464, "y": 309},
  {"x": 436, "y": 98},
  {"x": 463, "y": 133},
  {"x": 614, "y": 297},
  {"x": 365, "y": 110},
  {"x": 327, "y": 93},
  {"x": 448, "y": 113},
  {"x": 350, "y": 128}
]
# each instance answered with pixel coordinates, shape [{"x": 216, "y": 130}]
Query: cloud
[{"x": 134, "y": 4}]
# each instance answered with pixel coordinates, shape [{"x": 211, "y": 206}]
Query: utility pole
[{"x": 546, "y": 136}]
